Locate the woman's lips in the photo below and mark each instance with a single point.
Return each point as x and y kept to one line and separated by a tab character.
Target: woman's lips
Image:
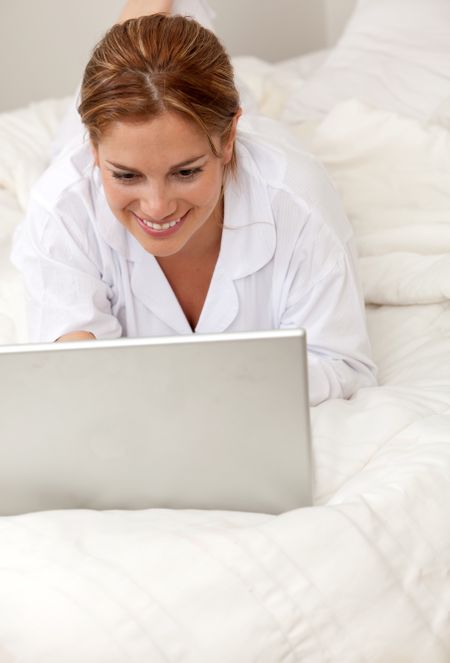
160	229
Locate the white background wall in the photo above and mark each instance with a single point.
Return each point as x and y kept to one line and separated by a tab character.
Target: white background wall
45	44
270	29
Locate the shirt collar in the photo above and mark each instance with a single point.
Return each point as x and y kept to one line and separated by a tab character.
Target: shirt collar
249	237
108	227
248	244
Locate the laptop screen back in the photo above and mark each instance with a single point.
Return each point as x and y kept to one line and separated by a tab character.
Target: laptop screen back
204	422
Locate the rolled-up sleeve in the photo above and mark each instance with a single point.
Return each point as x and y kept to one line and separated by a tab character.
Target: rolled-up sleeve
324	298
65	291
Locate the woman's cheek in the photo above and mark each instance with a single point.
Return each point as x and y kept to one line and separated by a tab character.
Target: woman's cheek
211	188
117	198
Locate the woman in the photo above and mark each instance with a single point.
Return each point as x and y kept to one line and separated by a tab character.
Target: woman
176	216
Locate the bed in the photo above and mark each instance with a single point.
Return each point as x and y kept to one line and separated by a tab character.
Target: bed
364	575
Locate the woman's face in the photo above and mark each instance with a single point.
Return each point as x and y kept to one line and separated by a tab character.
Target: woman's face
163	183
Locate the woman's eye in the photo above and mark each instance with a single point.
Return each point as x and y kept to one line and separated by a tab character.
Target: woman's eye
125	177
188	173
130	178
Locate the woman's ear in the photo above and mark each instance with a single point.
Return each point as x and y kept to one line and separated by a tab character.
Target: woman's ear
229	143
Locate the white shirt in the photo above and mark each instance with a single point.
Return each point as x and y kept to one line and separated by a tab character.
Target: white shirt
286	261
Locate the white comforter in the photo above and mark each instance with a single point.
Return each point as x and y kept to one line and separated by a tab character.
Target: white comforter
364	575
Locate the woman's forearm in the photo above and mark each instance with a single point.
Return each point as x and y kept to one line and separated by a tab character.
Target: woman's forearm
76	336
136	8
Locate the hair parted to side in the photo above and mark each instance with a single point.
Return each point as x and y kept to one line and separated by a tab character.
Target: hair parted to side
158	63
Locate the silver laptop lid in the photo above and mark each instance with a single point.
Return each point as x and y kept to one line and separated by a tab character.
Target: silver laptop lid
207	422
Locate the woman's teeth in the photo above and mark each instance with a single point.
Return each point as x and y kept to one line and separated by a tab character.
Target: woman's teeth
160	226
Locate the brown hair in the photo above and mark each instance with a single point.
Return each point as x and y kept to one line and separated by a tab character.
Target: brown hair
158	63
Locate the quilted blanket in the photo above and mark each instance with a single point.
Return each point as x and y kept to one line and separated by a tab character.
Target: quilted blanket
361	576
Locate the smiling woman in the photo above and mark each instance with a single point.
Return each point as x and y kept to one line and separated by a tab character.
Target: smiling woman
172	190
178	215
163	132
170	199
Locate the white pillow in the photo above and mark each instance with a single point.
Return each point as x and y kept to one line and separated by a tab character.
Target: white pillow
393	173
393	55
25	139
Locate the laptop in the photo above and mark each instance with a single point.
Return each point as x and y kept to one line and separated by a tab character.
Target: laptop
213	421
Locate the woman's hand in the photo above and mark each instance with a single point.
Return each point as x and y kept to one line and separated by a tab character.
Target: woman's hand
76	336
136	8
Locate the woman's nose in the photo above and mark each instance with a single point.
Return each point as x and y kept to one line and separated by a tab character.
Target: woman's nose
157	204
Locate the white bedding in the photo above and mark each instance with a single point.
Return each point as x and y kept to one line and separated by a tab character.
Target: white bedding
363	576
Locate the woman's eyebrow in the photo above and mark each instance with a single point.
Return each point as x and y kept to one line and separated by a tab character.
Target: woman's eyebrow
188	162
120	167
178	165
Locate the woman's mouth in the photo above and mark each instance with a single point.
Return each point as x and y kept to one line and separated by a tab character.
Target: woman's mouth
160	229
